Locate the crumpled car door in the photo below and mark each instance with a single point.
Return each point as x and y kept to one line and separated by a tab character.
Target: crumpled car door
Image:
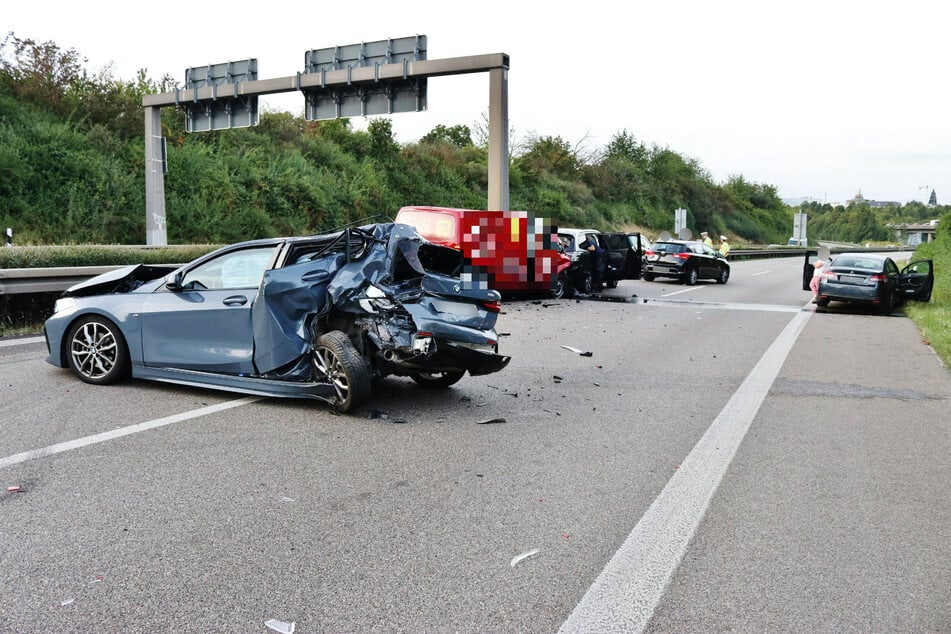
289	297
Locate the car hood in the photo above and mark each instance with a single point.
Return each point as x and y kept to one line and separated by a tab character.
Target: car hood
122	280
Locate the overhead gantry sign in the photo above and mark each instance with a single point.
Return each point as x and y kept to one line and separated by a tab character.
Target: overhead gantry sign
361	79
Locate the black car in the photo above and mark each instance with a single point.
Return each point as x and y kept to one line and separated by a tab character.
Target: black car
874	279
686	260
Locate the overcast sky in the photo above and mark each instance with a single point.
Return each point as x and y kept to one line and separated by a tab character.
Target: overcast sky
820	98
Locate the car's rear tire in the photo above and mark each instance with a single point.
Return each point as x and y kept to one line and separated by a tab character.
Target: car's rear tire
96	352
691	276
822	301
337	362
437	379
724	276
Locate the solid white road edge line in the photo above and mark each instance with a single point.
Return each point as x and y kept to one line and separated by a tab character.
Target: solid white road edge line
624	596
122	431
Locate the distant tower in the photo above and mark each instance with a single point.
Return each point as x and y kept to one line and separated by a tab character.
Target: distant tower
933	201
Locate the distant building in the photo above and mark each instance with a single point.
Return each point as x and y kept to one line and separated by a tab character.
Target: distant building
914	234
859	199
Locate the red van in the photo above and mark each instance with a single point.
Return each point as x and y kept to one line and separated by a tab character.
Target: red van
503	250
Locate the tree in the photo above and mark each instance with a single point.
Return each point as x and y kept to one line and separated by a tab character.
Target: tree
458	136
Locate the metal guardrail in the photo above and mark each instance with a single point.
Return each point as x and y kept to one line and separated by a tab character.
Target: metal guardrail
47	280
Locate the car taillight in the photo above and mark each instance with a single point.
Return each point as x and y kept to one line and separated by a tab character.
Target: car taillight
876	278
492	306
682	256
649	253
828	274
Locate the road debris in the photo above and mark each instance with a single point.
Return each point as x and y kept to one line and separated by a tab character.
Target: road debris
518	558
576	351
490	421
281	626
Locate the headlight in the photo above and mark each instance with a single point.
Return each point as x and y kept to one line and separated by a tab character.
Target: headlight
64	303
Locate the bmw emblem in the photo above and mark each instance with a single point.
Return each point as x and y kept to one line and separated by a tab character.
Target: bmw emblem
457	287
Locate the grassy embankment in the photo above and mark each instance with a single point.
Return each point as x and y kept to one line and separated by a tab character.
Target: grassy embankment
934	318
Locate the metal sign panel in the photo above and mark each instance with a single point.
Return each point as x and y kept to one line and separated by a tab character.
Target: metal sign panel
225	109
375	96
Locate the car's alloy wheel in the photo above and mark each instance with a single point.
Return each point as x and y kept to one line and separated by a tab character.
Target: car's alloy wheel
97	352
691	277
437	379
561	286
337	362
724	276
586	285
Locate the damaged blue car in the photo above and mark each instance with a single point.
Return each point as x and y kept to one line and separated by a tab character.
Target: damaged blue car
318	317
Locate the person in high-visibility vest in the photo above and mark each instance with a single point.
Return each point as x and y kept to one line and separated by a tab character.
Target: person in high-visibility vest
724	246
706	239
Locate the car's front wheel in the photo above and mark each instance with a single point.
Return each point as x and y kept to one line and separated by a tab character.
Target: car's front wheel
97	352
437	379
337	362
648	277
561	286
724	276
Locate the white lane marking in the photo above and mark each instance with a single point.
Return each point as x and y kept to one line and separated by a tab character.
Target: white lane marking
122	431
20	342
723	305
761	273
686	290
626	593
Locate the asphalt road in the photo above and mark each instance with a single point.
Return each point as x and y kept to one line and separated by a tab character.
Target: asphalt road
726	459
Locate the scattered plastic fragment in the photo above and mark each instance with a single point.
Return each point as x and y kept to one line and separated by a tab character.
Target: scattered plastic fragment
379	414
286	499
490	421
13	489
66	601
576	351
519	558
280	626
557	379
565	536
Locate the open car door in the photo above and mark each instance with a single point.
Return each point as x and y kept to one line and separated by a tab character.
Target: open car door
623	258
917	280
808	269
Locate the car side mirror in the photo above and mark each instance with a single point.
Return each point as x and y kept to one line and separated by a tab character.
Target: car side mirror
173	281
